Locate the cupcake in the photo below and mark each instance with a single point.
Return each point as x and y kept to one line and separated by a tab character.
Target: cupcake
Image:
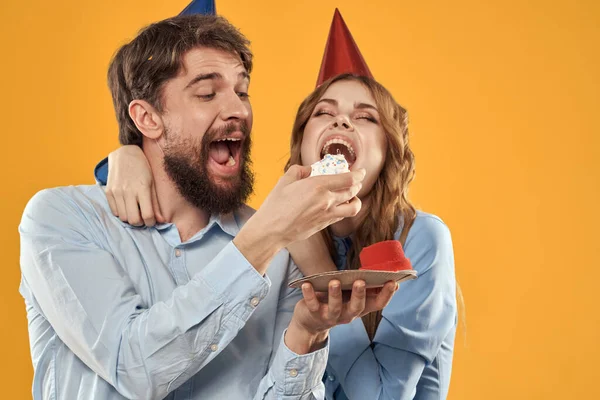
384	256
331	164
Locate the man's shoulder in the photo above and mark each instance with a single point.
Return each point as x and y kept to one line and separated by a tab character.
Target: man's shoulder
67	201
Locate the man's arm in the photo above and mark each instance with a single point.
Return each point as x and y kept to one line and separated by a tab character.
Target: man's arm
292	375
308	330
143	351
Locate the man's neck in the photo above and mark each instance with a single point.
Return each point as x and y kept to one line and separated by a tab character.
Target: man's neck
188	218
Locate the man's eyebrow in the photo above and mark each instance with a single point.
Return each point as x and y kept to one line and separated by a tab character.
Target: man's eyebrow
214	76
203	77
244	75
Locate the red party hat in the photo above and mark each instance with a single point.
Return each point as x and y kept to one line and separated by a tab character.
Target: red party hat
341	53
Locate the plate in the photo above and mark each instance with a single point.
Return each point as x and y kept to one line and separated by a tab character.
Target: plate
373	279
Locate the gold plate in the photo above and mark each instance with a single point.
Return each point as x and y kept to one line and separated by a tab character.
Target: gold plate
373	279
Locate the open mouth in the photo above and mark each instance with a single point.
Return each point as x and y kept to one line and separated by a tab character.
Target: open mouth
226	152
339	146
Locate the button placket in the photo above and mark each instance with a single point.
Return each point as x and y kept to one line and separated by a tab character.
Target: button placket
178	267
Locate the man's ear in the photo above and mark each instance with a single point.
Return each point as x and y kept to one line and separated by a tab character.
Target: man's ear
146	118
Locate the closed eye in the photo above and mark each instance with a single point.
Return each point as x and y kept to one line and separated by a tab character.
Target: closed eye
243	95
209	96
368	118
323	112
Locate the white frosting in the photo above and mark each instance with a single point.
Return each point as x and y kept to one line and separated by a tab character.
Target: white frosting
331	164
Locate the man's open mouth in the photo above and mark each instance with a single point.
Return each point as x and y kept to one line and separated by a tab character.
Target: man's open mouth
339	146
226	151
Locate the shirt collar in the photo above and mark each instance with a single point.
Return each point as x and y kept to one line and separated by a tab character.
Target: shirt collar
227	222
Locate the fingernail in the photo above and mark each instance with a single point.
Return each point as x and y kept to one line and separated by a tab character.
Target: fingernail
360	287
397	287
335	287
305	286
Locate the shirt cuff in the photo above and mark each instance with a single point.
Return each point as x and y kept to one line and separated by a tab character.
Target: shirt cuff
296	374
235	281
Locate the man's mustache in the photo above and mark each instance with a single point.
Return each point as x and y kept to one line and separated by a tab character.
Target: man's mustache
226	130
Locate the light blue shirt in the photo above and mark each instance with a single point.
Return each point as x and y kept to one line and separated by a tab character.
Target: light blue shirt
411	356
119	312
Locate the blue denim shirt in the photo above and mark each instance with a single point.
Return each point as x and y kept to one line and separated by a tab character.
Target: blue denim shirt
119	312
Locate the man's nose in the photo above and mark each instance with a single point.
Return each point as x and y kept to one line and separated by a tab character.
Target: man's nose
234	108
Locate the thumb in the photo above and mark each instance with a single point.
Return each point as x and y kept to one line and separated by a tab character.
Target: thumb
296	173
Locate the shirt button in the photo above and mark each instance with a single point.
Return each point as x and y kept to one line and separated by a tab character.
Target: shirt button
331	377
177	253
294	373
214	347
254	301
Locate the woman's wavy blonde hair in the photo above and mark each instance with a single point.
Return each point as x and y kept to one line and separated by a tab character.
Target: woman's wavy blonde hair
388	199
390	191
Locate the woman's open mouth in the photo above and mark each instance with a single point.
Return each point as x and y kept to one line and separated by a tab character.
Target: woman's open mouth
338	145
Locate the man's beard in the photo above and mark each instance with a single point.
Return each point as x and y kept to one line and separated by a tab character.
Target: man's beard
186	164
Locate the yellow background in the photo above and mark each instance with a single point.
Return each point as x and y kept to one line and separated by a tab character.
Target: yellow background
503	98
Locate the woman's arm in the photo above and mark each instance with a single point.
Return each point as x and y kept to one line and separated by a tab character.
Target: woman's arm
312	255
130	187
418	322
